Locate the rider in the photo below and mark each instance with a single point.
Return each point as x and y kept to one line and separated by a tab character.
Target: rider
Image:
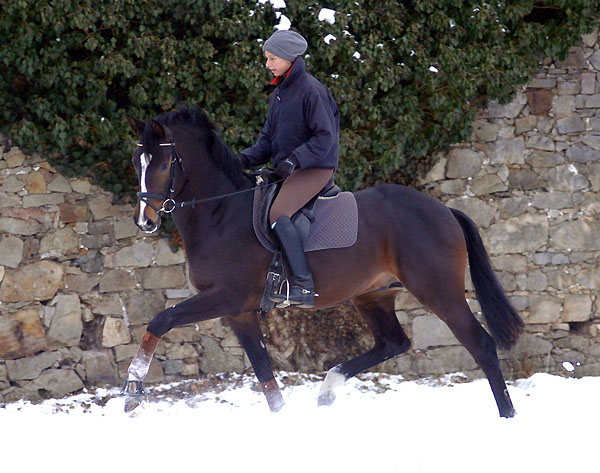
301	136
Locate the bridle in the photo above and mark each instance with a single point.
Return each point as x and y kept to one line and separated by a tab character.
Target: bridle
170	204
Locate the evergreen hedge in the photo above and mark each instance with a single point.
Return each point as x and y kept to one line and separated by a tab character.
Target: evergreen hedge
407	75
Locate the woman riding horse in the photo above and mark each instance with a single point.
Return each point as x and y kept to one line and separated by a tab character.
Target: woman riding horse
301	136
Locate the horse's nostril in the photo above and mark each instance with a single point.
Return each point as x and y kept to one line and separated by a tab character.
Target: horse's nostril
149	226
146	225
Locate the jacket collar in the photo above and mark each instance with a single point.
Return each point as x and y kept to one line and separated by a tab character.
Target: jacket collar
297	68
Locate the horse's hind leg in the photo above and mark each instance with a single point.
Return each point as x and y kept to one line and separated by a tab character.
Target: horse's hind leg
377	310
482	347
448	302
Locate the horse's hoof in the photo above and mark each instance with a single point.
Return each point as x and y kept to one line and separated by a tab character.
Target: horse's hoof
326	399
273	395
131	403
133	388
276	406
134	394
509	413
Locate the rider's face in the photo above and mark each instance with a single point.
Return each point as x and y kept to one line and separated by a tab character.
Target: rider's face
276	65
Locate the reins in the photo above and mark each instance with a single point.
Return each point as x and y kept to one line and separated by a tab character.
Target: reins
170	204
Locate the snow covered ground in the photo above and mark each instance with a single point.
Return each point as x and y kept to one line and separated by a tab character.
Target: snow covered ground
379	423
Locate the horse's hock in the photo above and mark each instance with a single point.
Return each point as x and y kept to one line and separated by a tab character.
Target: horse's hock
79	282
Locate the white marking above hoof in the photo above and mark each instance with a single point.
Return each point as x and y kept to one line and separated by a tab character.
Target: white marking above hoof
333	380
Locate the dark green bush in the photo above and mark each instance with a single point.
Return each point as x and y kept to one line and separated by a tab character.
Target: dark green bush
71	69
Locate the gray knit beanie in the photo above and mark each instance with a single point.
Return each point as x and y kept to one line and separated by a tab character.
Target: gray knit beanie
286	44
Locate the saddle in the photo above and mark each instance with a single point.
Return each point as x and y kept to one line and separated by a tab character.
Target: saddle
329	220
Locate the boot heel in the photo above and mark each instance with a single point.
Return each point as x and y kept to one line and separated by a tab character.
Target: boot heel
308	299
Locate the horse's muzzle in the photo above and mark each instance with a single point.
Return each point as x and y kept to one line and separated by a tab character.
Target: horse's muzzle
148	226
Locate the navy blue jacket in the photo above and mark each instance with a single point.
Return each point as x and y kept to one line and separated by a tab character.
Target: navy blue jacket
303	122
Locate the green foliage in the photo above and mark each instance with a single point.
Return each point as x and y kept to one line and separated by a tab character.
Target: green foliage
71	69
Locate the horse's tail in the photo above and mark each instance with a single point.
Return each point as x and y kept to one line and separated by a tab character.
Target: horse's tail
504	322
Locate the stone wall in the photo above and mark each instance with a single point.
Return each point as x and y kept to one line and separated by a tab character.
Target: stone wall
79	282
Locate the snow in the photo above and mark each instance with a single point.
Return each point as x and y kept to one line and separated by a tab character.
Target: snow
329	38
327	15
275	3
284	22
378	423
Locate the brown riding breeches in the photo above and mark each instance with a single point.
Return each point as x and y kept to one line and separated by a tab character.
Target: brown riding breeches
297	190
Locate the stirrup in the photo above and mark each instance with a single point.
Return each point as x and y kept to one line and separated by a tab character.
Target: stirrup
282	300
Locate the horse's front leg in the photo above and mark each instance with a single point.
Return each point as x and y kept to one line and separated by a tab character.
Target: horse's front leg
204	306
249	333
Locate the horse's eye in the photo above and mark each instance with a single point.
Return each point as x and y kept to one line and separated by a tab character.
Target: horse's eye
163	166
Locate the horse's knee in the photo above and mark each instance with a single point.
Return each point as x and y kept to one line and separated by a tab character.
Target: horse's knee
392	343
161	323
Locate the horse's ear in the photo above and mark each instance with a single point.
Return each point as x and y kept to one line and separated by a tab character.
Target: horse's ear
158	129
136	125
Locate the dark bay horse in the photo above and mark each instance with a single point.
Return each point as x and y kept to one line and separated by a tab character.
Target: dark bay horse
404	237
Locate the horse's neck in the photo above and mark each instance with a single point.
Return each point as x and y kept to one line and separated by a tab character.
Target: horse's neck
204	227
203	179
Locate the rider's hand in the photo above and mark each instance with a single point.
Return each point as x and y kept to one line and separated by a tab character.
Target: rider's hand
286	167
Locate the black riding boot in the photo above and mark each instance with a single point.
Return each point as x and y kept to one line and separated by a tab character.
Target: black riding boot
302	292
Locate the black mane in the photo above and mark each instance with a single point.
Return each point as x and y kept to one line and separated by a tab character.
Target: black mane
196	119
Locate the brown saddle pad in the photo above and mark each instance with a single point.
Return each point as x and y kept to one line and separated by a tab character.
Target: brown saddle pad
334	223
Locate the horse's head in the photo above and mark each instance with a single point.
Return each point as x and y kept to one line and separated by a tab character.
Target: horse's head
153	162
210	164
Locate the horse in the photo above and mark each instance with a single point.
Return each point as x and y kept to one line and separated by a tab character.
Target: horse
406	240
